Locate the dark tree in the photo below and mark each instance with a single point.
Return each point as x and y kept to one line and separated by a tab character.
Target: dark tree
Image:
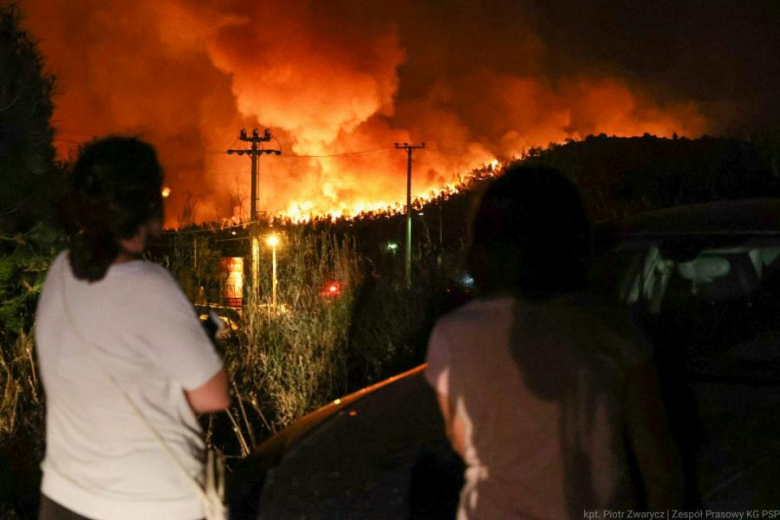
26	152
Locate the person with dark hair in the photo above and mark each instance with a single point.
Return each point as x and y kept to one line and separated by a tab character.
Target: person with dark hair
124	360
548	398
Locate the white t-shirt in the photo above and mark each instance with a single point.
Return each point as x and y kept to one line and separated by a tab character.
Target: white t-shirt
101	460
539	390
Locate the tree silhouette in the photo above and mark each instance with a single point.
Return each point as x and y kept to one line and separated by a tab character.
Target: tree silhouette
26	152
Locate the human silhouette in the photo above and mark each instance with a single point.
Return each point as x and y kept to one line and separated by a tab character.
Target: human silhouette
545	393
124	360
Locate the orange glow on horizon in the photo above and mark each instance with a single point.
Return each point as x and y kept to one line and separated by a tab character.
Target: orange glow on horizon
328	86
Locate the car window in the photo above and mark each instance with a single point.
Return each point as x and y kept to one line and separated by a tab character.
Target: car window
716	308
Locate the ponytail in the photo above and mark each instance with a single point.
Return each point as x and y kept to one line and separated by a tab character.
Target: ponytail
114	189
91	253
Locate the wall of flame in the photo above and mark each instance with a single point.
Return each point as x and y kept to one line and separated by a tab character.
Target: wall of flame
328	78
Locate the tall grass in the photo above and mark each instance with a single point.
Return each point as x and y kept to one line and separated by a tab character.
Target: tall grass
21	429
24	260
287	360
283	361
20	390
313	348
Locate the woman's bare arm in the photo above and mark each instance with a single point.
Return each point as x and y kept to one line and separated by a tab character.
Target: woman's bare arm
212	396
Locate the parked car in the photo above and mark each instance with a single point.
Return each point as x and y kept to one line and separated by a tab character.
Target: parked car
702	282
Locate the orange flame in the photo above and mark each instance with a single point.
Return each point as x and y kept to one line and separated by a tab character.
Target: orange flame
337	87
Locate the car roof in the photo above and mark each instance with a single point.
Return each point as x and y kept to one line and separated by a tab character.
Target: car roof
751	217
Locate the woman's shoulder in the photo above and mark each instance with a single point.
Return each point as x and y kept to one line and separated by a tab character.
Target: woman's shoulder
146	287
58	268
147	277
59	259
481	311
154	271
157	275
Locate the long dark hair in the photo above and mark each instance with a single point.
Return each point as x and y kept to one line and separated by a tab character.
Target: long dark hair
530	235
114	188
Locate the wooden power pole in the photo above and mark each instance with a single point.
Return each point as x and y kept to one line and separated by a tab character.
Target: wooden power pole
255	152
408	258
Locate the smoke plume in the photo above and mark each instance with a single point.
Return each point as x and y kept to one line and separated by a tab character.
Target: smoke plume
338	83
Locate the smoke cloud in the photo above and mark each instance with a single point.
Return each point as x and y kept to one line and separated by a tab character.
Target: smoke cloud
338	83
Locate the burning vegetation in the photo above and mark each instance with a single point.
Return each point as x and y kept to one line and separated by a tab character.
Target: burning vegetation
337	85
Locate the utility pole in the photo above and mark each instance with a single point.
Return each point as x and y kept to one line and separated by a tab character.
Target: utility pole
441	237
254	153
410	148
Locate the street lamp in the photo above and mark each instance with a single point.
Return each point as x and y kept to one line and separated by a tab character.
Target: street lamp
273	241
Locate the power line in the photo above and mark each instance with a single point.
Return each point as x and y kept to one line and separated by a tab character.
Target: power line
361	153
281	148
378	151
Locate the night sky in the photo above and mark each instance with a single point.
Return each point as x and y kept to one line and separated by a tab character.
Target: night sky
475	80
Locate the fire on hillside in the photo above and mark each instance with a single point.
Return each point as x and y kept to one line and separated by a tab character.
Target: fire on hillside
336	87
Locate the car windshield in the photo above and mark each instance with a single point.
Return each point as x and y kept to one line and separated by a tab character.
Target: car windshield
715	304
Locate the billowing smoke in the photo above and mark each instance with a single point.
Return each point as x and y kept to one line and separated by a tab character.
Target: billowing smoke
337	83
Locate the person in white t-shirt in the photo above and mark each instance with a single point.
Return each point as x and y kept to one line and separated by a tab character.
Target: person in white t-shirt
106	313
543	389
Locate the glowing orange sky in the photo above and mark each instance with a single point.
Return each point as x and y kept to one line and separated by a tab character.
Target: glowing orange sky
327	78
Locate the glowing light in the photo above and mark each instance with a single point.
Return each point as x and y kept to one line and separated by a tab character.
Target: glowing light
166	192
392	247
272	240
332	289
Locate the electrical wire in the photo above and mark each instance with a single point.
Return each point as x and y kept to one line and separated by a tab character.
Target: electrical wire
233	142
281	148
364	153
